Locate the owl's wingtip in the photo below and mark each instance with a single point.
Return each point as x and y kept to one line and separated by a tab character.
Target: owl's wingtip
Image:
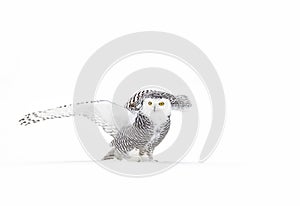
182	102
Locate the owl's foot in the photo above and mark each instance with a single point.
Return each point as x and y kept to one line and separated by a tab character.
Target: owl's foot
134	159
148	158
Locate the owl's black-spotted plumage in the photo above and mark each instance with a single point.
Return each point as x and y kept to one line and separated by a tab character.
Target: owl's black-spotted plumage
139	135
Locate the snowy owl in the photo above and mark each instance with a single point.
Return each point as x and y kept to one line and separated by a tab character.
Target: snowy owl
150	109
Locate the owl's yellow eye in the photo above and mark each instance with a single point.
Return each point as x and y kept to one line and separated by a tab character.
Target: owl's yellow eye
149	103
161	104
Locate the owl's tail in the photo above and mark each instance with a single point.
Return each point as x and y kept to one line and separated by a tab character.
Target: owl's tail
113	153
110	155
55	113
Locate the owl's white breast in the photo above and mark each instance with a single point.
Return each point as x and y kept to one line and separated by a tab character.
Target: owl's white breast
158	118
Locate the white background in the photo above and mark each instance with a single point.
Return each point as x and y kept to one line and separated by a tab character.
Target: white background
254	46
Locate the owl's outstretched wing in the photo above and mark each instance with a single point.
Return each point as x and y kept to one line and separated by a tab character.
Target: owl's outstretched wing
108	115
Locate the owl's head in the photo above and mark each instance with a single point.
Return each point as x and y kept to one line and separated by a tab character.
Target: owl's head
151	106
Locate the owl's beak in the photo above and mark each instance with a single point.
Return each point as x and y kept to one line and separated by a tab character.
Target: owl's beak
154	108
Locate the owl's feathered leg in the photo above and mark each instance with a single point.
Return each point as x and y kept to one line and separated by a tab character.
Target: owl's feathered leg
142	152
148	149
